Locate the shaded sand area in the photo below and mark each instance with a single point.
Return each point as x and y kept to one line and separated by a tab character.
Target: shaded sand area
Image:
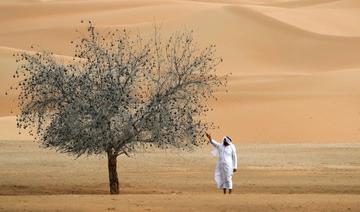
276	177
295	64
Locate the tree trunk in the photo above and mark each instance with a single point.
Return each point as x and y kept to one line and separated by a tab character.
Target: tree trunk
113	177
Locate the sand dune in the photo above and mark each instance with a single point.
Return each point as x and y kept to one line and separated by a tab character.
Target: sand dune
315	19
349	4
299	50
300	3
38	9
7	69
43	30
292	70
9	131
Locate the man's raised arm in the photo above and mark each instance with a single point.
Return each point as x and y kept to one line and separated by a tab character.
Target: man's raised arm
212	141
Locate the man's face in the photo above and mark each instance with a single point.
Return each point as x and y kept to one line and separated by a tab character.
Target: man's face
225	142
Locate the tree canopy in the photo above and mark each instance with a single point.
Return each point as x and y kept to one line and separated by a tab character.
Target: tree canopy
118	92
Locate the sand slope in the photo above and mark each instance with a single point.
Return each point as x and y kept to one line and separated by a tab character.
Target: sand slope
295	63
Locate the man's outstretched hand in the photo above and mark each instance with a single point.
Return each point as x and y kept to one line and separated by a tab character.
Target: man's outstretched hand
208	136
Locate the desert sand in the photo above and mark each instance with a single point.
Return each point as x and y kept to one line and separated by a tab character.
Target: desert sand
292	107
271	177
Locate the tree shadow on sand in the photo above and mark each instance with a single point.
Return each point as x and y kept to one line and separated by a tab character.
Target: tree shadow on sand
100	189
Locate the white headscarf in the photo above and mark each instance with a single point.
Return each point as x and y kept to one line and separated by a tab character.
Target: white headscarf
215	152
228	139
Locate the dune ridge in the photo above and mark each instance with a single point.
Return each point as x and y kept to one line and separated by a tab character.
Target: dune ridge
301	3
292	72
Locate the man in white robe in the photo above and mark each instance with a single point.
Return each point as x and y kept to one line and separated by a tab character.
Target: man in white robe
227	163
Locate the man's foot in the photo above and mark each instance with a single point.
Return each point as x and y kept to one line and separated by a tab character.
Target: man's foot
224	190
230	190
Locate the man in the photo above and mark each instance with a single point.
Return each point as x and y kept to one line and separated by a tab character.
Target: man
227	163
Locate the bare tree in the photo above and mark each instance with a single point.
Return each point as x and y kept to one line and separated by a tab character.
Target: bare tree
117	94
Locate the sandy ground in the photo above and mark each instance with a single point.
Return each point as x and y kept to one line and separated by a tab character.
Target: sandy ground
298	177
